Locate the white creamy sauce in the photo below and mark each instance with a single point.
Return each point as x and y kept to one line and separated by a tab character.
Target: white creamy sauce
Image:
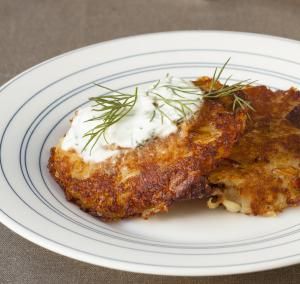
136	127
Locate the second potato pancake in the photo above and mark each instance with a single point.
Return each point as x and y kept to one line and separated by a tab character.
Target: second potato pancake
262	174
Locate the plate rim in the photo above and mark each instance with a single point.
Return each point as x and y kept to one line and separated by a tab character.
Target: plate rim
60	55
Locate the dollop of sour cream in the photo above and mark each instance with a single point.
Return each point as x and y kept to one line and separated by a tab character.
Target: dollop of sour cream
138	126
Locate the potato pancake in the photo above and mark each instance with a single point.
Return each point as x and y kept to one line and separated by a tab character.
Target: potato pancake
262	174
148	179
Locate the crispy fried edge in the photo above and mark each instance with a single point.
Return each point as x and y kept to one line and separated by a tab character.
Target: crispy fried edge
104	194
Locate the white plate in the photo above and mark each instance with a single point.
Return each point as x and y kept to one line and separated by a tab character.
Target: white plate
190	240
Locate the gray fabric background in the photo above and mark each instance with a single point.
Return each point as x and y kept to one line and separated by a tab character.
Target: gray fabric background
34	30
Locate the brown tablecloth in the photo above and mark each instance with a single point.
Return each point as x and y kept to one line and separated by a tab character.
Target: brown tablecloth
34	30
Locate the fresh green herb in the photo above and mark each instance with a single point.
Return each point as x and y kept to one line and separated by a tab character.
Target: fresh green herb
181	104
225	90
116	105
112	108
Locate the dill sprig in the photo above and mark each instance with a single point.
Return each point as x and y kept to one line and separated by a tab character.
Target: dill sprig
115	105
180	103
226	90
181	106
111	108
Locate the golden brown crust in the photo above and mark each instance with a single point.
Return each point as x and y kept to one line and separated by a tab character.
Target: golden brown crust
149	179
262	174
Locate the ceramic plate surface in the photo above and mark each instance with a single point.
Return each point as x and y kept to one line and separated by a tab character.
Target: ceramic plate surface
35	109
